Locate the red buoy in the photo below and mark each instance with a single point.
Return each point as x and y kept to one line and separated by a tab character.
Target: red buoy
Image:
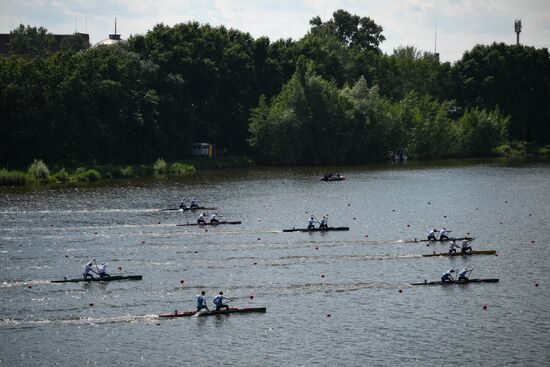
533	241
30	286
366	235
158	222
259	238
251	296
354	218
536	284
66	255
322	275
120	268
408	225
401	291
328	315
444	216
484	307
91	304
182	281
316	248
206	230
255	263
429	203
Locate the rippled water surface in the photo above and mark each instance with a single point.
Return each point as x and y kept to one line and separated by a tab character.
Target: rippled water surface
336	298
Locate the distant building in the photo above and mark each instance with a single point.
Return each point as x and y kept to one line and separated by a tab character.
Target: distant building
112	40
56	46
203	150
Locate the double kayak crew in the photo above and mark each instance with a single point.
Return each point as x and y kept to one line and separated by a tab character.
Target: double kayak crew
311	223
88	271
218	301
431	235
448	276
443	234
102	270
214	219
464	274
324	222
194	204
201	219
465	246
201	302
453	246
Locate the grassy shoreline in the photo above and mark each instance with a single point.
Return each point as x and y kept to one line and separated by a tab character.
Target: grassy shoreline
39	173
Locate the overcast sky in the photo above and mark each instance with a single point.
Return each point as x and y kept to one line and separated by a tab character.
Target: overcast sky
461	24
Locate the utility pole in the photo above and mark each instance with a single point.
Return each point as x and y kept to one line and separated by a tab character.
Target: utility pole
517	27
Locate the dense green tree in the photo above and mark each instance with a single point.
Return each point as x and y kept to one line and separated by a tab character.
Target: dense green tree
31	41
74	43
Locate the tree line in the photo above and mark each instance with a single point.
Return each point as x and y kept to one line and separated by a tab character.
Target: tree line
330	97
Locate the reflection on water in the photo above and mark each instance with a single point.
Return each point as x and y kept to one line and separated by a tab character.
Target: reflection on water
336	298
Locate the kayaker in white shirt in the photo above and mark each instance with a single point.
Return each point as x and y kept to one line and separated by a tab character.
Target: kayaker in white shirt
194	203
311	223
463	275
443	234
214	218
324	223
182	204
431	235
218	301
448	276
465	246
453	246
102	270
88	271
201	219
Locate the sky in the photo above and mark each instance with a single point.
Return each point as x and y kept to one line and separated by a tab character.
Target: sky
458	24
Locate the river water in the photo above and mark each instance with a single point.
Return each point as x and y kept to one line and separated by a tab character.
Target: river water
335	298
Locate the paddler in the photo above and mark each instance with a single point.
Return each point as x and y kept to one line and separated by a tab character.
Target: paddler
443	234
431	235
102	270
448	276
214	219
201	302
463	275
194	204
218	301
201	219
465	246
453	246
324	223
88	271
182	204
311	223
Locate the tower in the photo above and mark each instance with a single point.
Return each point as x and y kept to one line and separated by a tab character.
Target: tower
517	27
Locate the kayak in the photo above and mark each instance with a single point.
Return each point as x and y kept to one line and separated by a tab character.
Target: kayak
104	279
208	224
316	229
333	178
450	239
188	208
213	312
473	252
459	282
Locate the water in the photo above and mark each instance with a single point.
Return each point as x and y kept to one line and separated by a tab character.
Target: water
336	298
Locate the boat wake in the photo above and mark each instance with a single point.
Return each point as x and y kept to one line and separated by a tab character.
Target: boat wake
78	321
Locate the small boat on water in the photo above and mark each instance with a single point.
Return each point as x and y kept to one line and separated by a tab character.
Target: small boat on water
209	224
214	312
467	253
104	279
330	177
189	208
446	240
317	229
458	282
